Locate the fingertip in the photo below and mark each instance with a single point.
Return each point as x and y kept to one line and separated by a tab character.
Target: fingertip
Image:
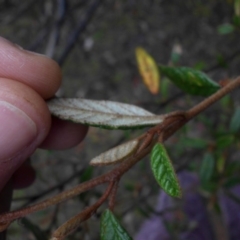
34	70
47	74
18	101
64	135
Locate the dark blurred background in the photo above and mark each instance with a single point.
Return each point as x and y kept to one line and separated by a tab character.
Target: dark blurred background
94	42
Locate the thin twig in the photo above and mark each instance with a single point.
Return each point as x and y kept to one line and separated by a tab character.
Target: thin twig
75	221
172	122
112	196
8	217
80	28
49	190
212	99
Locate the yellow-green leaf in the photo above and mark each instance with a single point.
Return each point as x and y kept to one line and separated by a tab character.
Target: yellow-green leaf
164	172
148	70
237	7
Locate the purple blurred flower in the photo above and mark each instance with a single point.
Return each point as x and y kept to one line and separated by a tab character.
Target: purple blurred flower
190	219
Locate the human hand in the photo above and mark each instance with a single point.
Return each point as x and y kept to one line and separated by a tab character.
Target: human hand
26	81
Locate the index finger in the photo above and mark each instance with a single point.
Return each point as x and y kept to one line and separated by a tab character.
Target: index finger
37	71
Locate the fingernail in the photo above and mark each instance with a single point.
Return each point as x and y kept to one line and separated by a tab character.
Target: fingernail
30	52
17	130
3	40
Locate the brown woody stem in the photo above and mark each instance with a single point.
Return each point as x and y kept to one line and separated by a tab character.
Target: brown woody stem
107	177
75	221
112	196
212	99
170	125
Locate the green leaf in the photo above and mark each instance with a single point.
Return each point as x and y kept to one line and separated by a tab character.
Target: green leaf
164	172
190	81
207	168
224	141
111	229
235	121
225	28
164	91
194	142
237	7
236	21
232	181
220	163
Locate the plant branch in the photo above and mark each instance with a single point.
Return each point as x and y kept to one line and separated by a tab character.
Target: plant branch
75	221
83	187
172	122
112	196
80	28
212	99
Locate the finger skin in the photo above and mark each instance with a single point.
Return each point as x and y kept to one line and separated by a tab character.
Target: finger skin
30	102
39	72
64	135
43	75
27	80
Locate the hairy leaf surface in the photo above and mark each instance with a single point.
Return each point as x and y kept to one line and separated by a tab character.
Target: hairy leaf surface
115	154
190	81
111	229
148	70
164	172
106	114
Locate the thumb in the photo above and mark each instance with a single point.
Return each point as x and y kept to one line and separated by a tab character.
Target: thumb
24	123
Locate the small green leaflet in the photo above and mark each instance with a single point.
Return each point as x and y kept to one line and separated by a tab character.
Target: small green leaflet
111	229
164	172
190	81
